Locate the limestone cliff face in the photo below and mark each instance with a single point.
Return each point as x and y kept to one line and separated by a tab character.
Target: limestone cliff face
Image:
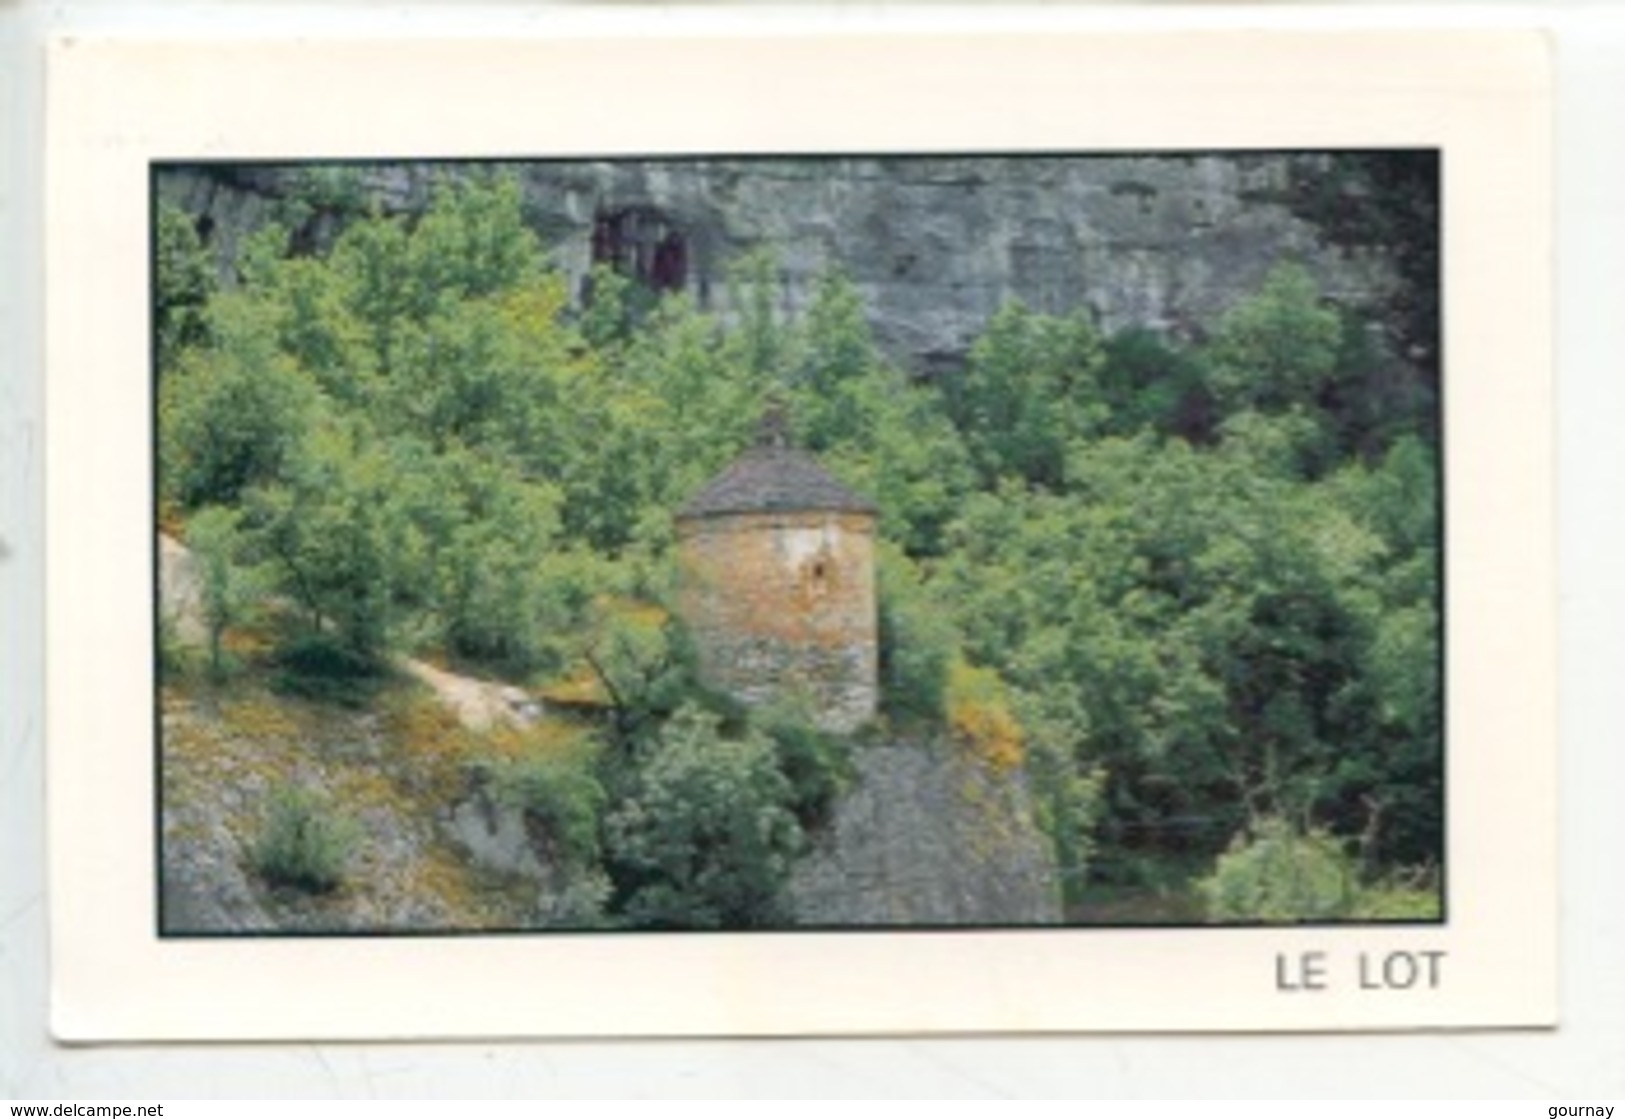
935	244
929	835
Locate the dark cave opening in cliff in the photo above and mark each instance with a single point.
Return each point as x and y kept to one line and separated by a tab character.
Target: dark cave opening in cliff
642	244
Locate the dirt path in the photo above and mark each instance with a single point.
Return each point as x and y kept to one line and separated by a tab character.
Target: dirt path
478	704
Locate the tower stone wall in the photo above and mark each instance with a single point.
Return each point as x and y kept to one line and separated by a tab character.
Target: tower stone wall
783	603
778	582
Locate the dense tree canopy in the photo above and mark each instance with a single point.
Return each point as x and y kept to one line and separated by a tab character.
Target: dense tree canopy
1200	582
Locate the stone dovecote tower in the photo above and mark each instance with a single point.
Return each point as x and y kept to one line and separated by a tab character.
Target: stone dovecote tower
778	582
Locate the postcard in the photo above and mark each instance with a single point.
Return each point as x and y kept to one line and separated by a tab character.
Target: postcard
637	537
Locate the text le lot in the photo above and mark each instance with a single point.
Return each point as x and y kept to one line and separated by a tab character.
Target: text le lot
1371	971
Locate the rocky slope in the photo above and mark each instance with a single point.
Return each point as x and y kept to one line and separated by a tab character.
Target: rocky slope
224	756
927	835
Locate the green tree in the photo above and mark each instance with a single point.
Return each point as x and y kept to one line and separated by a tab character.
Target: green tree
1029	390
472	242
331	191
475	371
1276	874
233	416
651	420
1068	794
1393	782
834	353
372	265
607	318
337	533
707	838
562	797
1149	382
642	662
1201	621
884	435
816	763
316	326
184	281
1277	348
491	587
228	591
903	452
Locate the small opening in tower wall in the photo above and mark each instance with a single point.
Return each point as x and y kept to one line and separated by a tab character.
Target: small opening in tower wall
642	243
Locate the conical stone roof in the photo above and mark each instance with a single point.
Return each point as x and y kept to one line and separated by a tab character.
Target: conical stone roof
773	477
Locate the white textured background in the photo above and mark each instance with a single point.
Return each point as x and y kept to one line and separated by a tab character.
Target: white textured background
1584	1058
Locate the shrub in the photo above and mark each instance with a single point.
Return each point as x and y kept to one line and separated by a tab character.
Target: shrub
319	666
817	764
1401	897
636	660
707	838
578	900
1275	873
302	845
560	794
980	715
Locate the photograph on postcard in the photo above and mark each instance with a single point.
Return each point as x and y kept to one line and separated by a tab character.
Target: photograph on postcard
823	543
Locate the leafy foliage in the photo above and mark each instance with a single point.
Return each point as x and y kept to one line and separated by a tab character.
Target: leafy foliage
340	532
1412	897
303	846
228	591
1274	873
320	667
1182	586
184	282
1276	349
816	763
560	792
234	417
979	715
1069	796
917	642
1031	389
707	837
639	659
